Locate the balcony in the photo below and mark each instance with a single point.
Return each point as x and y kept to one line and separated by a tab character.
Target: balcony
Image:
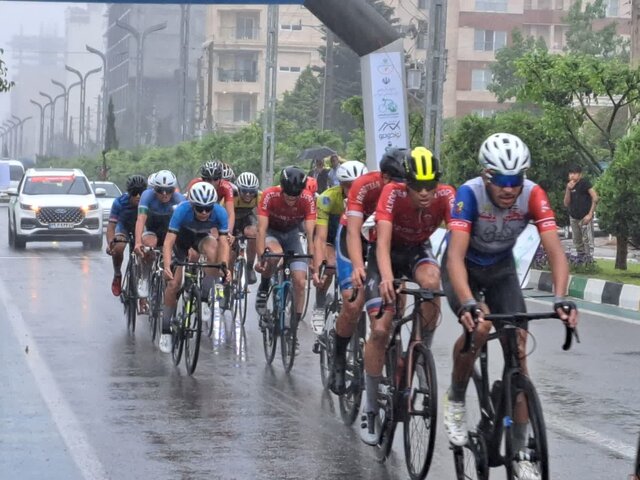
235	75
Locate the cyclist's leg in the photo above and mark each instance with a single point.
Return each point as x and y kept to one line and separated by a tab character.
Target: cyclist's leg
426	273
150	240
349	315
117	257
251	231
208	246
292	242
272	242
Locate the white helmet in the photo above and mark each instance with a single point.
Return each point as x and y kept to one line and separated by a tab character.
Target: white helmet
505	153
227	172
203	194
165	178
248	181
151	181
349	171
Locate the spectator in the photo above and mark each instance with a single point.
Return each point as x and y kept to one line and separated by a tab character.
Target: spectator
333	173
581	199
320	173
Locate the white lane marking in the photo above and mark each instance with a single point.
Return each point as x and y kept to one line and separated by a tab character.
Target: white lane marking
68	425
583	434
608	316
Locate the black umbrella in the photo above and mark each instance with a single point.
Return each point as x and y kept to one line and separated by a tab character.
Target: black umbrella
316	153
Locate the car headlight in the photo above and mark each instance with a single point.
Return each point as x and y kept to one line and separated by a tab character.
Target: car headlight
26	206
86	208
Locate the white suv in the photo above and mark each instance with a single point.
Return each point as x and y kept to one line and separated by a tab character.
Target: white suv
54	204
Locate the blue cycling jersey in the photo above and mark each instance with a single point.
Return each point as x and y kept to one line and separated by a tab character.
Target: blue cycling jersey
158	213
124	214
191	230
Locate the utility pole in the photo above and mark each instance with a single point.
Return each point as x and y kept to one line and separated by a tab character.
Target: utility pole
209	121
185	13
635	33
269	114
41	136
326	107
435	75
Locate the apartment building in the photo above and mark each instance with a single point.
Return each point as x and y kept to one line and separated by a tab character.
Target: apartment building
476	29
231	90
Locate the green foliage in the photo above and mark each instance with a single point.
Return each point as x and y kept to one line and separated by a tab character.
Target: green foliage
110	137
505	83
301	106
5	85
583	39
619	190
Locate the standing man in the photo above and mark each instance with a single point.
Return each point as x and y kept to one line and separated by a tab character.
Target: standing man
333	172
320	173
581	199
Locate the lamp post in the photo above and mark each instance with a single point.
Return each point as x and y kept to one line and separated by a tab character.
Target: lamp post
52	112
7	142
139	37
21	125
66	92
18	122
3	132
12	134
102	118
41	137
83	88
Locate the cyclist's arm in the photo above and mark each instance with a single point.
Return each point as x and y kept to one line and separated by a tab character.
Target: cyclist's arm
263	225
320	241
456	252
309	226
223	245
140	223
231	214
354	241
384	230
167	249
111	232
557	260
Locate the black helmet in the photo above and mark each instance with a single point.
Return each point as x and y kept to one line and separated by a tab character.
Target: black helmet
211	171
292	181
136	184
392	163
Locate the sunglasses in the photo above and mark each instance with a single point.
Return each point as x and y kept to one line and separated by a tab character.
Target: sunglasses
419	185
504	181
202	209
164	190
247	191
136	193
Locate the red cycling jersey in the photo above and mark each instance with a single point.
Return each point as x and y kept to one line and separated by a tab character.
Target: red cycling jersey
363	196
283	217
224	190
413	225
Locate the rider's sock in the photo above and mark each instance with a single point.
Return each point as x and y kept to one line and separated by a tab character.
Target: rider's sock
264	283
519	436
457	391
371	383
167	314
341	345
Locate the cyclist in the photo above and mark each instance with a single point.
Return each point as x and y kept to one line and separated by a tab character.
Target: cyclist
154	212
194	229
212	172
280	214
330	207
489	213
406	216
122	222
245	203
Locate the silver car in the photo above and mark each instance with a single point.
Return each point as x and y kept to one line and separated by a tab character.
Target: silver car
106	200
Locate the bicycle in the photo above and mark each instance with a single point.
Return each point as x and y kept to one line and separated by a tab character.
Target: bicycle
186	327
157	286
408	391
239	286
278	322
325	346
129	291
493	432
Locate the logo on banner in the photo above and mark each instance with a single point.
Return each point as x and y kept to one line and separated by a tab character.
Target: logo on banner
386	67
387	106
389	130
386	80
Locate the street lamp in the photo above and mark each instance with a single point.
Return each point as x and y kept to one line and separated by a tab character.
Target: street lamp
104	90
83	88
52	112
3	132
19	136
41	137
139	37
12	135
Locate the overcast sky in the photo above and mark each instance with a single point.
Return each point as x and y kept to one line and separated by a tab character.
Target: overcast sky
31	17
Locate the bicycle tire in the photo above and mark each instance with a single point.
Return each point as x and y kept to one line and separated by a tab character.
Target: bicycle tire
387	407
422	413
536	446
327	346
354	375
270	331
155	305
177	333
132	299
239	294
193	331
211	300
307	295
288	336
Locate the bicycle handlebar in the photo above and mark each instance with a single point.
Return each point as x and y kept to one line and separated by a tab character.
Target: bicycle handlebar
422	295
222	265
323	267
288	256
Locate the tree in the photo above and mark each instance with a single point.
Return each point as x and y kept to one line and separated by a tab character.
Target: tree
301	106
619	192
5	85
110	138
582	38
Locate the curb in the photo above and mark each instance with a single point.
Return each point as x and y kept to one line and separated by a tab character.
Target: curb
593	290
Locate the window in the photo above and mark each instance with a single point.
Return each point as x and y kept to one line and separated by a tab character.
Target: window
613	8
484	112
489	40
491	5
480	78
242	109
290	69
246	27
291	26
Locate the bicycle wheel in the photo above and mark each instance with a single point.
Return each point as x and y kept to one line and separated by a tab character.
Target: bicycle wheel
193	330
307	295
535	448
288	336
472	461
386	402
270	330
422	413
132	298
240	292
177	328
155	304
327	345
354	375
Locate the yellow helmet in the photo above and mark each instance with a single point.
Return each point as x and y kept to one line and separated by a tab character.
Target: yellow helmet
422	165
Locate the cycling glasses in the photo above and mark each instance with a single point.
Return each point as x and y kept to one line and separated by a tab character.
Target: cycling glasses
203	209
419	185
136	192
504	181
248	191
164	190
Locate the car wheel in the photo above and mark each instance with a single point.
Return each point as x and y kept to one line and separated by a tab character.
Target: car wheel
10	232
19	242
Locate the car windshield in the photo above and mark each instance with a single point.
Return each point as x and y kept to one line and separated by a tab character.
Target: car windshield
15	172
56	185
112	190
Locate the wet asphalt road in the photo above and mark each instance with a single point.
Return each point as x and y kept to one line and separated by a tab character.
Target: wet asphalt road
81	398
